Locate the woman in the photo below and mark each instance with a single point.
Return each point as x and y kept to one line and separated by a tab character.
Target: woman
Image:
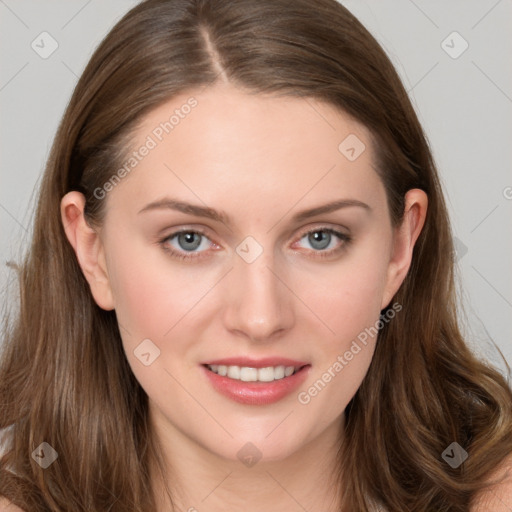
240	287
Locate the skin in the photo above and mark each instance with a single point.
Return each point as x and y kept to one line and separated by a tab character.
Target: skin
260	160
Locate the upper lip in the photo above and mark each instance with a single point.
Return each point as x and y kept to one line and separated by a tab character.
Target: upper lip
257	363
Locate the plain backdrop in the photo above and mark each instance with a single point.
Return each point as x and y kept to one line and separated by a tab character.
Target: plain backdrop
454	59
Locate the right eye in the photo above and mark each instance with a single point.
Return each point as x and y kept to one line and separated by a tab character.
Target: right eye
185	241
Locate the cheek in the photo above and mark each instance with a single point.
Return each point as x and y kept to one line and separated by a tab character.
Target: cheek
150	299
350	306
156	300
348	295
149	294
347	298
147	301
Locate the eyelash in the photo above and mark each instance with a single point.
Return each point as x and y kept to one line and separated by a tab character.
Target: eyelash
184	256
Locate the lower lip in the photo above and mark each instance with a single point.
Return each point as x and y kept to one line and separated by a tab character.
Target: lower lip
257	393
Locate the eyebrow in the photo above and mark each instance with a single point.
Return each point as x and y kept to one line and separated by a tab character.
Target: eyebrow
220	216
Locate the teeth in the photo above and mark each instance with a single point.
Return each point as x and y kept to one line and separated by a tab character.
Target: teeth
246	374
234	372
288	370
266	374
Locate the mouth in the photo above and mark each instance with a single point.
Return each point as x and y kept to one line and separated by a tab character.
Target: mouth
260	382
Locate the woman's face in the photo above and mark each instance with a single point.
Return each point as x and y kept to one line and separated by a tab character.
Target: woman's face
245	287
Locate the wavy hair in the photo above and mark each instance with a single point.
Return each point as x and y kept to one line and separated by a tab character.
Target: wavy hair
64	378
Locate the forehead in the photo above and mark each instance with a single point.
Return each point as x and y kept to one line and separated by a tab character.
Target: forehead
225	145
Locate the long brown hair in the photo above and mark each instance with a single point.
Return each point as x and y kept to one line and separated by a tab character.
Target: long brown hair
64	378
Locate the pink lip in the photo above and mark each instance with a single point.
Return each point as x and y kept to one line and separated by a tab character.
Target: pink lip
257	363
257	393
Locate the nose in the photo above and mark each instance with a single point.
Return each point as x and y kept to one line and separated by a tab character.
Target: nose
260	305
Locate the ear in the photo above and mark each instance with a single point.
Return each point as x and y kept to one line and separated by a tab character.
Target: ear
405	236
88	248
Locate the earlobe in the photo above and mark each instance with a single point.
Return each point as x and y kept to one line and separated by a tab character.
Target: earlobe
405	236
88	248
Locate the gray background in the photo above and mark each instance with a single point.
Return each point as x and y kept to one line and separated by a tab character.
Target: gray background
464	101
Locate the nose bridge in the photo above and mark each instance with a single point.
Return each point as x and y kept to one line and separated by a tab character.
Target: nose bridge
260	304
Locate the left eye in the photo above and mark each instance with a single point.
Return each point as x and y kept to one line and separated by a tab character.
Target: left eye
323	239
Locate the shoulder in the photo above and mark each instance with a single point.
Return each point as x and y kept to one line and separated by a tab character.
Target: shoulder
7	506
498	497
